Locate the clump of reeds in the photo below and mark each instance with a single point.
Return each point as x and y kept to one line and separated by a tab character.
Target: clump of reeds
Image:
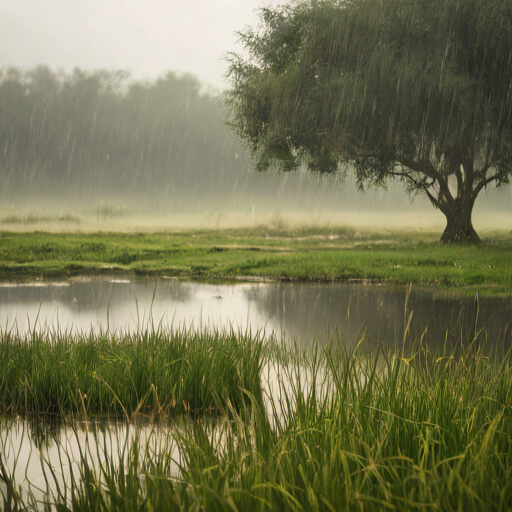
340	431
149	372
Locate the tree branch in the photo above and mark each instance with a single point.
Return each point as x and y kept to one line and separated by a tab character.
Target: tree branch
460	181
422	185
435	202
483	183
408	176
429	170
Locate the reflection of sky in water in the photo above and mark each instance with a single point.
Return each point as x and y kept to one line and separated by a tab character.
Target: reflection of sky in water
38	455
124	306
38	459
301	311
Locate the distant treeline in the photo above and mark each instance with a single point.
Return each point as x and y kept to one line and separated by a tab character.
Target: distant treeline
85	131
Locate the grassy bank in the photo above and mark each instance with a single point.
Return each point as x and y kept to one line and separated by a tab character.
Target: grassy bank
268	252
148	373
361	432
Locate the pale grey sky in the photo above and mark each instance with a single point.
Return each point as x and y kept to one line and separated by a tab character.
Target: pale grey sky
146	37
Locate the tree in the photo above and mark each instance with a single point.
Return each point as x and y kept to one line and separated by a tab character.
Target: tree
416	90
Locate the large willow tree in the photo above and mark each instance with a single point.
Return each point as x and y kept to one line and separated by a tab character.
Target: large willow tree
416	90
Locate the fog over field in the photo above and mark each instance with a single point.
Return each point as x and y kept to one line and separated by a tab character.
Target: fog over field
112	116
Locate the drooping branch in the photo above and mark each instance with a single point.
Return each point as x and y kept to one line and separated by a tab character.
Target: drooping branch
423	185
436	203
482	184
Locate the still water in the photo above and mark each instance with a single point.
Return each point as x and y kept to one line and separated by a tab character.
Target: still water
301	312
41	458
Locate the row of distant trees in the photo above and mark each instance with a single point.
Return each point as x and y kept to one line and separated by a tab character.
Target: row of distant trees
97	130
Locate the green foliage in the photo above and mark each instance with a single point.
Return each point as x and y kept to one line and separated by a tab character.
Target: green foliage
341	431
150	372
418	91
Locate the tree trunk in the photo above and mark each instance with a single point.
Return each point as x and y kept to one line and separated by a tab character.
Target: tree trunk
459	228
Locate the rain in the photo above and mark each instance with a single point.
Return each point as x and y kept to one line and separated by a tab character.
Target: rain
115	122
115	117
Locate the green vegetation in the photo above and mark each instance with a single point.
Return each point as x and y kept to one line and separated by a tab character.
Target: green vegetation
416	91
267	252
150	372
340	431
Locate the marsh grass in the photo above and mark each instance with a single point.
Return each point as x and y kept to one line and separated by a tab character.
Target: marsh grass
337	430
302	253
153	371
36	217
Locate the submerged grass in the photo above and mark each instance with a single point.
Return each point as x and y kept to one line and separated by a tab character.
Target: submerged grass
146	373
302	253
335	431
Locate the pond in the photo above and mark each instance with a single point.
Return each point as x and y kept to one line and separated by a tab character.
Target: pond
296	311
44	454
36	453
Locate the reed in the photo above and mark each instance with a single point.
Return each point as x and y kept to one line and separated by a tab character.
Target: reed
153	371
335	430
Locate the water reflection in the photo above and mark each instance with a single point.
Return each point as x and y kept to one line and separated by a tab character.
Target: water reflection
300	311
43	457
383	314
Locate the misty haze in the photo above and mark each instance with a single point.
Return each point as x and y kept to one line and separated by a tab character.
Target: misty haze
100	146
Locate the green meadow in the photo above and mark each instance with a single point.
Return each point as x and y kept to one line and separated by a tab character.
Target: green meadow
266	252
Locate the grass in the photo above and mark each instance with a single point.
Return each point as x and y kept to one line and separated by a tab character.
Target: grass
365	431
147	373
332	430
266	252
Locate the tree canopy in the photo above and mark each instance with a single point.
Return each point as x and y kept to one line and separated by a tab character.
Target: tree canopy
416	90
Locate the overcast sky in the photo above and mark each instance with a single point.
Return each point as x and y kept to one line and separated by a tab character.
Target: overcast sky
146	37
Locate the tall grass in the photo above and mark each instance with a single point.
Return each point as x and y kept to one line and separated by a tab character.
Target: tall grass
340	431
149	372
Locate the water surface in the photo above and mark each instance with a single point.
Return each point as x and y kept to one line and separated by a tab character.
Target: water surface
303	312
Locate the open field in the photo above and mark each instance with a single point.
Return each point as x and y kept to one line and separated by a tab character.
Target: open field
259	425
275	251
335	431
